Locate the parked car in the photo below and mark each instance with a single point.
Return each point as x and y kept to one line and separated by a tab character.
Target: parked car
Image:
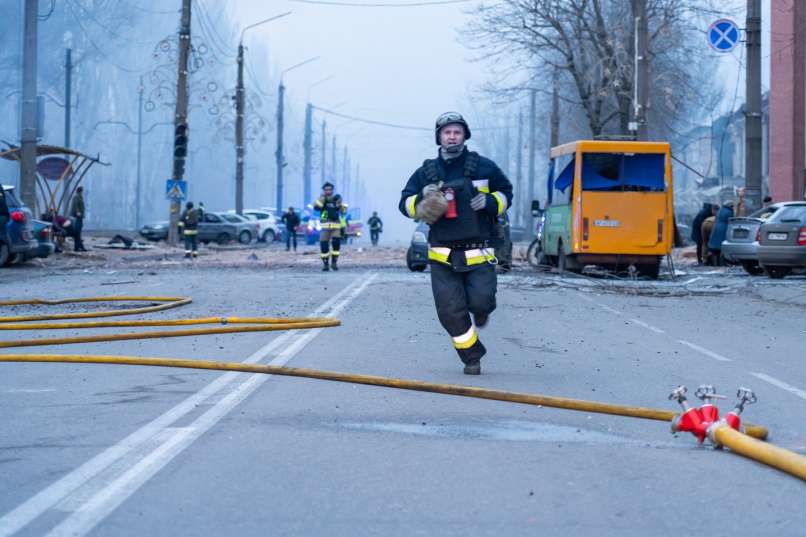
782	241
16	228
417	254
158	231
43	231
740	244
224	227
269	228
213	227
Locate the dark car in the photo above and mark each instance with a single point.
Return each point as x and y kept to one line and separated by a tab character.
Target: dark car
782	241
43	231
213	227
158	231
417	254
225	227
16	228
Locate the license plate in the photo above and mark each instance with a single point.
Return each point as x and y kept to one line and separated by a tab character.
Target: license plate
606	223
777	236
740	233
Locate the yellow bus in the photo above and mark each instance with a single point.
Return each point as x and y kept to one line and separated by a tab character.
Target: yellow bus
609	204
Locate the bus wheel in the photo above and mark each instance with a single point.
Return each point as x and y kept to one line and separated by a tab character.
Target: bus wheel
650	271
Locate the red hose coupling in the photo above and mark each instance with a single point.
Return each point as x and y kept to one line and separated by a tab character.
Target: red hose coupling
690	421
733	420
709	413
451	197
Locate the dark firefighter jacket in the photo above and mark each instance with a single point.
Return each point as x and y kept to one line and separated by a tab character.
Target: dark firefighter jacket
472	231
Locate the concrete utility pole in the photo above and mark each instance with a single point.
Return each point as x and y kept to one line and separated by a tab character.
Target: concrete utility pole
240	152
752	131
28	131
137	190
344	171
180	116
641	67
532	143
240	110
68	94
519	171
280	158
324	151
307	146
333	160
555	112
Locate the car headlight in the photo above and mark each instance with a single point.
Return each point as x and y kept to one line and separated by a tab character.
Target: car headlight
418	236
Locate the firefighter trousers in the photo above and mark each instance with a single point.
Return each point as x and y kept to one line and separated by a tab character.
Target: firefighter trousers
456	296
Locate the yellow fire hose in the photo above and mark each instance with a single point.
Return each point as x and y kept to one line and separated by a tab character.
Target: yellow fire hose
744	444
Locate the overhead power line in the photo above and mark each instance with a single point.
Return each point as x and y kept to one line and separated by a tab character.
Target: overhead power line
372	121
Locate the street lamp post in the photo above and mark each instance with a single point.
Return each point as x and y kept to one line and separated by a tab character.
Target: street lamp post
240	149
307	167
280	157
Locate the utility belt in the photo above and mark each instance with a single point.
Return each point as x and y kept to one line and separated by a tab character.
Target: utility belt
465	244
462	259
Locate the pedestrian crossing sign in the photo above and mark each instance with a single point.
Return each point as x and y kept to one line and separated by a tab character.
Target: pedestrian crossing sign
176	190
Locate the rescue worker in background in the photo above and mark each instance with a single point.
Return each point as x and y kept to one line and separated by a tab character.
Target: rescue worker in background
460	195
189	225
291	221
375	227
331	208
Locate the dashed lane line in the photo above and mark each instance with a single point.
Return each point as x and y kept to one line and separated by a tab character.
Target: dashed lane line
780	384
105	491
703	350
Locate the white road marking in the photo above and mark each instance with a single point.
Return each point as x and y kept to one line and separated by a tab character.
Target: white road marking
604	307
780	384
113	490
30	390
703	350
648	326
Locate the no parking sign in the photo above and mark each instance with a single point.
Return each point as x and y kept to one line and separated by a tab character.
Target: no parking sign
723	35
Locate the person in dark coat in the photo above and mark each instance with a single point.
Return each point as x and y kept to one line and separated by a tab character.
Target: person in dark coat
77	215
696	228
720	230
291	221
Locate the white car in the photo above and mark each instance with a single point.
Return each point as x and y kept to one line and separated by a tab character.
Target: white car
269	229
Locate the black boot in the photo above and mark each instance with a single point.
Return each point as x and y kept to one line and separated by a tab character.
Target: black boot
473	367
333	263
326	263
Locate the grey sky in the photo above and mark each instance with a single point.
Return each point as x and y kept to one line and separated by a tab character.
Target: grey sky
400	65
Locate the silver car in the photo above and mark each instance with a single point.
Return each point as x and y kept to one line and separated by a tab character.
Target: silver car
741	242
782	241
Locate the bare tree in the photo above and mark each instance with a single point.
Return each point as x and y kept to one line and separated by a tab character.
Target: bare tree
591	43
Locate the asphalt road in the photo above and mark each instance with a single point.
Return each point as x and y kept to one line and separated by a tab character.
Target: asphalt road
117	451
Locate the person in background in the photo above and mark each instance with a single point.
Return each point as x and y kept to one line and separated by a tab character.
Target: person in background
696	229
720	231
706	230
291	221
77	215
375	227
767	201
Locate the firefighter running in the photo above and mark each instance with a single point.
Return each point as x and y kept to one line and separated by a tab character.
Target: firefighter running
189	222
460	195
331	209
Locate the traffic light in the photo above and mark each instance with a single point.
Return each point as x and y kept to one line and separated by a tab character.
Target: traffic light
180	149
181	141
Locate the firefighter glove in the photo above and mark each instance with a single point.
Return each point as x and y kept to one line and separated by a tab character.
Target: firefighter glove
479	201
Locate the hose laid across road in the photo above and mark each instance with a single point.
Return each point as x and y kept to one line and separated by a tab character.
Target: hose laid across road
744	444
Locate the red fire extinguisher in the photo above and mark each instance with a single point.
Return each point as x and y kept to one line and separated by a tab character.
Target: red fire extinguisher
449	195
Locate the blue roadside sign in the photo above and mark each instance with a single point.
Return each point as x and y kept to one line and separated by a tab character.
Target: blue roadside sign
176	190
723	35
